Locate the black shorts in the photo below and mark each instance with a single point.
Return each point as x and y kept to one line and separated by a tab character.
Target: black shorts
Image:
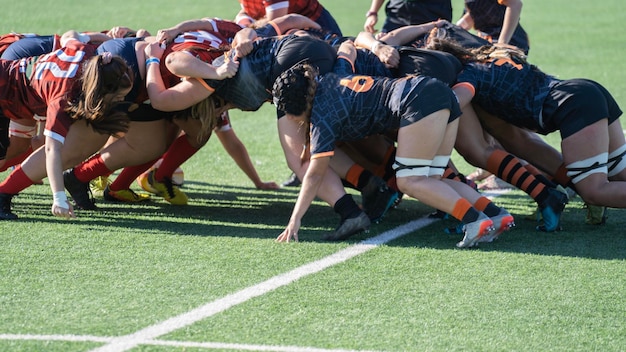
432	63
143	112
575	104
316	51
429	96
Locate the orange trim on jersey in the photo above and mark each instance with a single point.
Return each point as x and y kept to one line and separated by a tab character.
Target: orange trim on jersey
204	84
347	59
323	155
276	28
467	86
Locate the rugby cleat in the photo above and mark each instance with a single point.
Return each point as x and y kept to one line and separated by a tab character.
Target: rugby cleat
98	184
551	210
165	189
80	191
349	227
474	231
125	195
5	207
502	222
377	198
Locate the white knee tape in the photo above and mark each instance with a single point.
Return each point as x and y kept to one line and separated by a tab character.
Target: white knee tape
21	131
439	165
581	169
617	161
405	167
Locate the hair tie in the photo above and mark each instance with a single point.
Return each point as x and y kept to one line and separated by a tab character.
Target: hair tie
106	57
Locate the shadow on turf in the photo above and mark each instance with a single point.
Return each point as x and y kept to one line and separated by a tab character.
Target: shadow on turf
218	210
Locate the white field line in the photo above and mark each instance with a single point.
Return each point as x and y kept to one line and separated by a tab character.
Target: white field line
149	335
124	343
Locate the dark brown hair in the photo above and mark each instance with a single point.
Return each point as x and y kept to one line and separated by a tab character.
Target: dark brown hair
99	83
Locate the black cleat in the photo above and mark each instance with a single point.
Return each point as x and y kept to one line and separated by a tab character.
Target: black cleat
551	210
5	207
349	227
80	191
377	198
292	181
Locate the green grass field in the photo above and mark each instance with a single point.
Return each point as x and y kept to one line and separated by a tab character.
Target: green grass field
209	276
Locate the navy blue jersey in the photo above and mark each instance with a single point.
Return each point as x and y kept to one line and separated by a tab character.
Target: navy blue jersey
512	91
367	63
252	84
488	17
351	107
125	48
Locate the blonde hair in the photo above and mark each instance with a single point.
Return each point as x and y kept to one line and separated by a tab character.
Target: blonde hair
207	112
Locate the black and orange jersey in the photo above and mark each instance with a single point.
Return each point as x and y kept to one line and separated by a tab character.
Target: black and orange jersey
252	85
488	17
510	90
351	107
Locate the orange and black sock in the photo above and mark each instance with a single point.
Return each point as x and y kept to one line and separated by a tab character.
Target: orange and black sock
562	178
487	207
464	211
354	175
510	169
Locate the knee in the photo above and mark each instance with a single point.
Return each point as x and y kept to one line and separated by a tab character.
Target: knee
408	185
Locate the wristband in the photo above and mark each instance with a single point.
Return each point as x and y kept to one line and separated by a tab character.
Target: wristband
374	46
60	199
153	60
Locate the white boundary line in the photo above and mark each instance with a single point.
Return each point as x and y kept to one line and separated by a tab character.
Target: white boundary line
148	334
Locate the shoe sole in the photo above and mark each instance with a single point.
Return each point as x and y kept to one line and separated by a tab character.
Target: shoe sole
506	223
485	229
142	180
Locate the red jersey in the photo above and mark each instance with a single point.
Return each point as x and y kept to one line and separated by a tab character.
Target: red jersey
205	45
41	85
257	8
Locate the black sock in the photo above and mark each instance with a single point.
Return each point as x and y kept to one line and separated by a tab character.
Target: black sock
471	216
491	210
346	207
364	178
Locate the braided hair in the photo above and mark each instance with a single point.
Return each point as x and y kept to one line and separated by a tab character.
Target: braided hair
294	91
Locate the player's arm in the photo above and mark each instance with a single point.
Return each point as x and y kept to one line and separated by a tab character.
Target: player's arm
179	97
275	9
511	19
464	93
311	182
54	170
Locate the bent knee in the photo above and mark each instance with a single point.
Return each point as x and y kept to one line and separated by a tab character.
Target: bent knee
406	184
